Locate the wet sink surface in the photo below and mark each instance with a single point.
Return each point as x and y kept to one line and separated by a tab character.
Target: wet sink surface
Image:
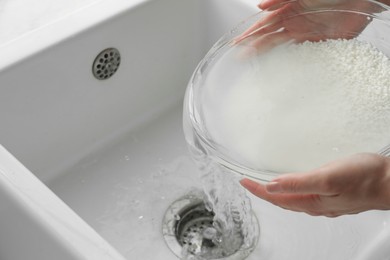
124	190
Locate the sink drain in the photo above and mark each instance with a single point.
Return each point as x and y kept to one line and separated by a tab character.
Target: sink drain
188	231
195	228
106	63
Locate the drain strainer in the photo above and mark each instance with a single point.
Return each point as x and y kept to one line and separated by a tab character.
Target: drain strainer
106	63
194	228
188	231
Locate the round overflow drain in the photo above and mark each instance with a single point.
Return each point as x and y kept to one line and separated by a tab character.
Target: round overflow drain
106	63
188	229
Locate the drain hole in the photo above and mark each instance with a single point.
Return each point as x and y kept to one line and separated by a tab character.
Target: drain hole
188	228
106	63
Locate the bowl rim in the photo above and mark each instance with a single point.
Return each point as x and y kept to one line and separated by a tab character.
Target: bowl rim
195	119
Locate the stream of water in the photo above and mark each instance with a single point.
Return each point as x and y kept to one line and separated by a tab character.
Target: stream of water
235	225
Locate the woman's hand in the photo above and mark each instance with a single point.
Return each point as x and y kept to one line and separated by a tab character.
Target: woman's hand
346	186
285	22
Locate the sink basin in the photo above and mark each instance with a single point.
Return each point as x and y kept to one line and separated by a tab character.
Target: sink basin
98	162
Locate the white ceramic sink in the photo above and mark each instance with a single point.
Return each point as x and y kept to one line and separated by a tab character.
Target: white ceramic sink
112	152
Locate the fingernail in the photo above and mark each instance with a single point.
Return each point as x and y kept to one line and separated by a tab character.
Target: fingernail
273	187
264	3
250	185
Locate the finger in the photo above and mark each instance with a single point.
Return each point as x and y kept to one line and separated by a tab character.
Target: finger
271	21
308	203
312	204
252	186
289	201
265	4
314	182
313	4
270	41
263	26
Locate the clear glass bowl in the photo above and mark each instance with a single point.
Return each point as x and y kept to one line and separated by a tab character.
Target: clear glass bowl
256	106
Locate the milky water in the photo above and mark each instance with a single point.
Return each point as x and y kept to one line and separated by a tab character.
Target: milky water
299	106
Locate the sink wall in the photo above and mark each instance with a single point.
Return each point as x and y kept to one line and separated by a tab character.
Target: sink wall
56	116
36	224
53	111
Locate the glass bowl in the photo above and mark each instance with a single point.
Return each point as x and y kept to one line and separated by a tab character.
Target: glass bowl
293	87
